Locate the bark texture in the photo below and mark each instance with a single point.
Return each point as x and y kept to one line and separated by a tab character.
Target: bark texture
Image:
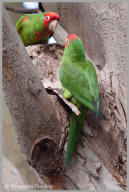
103	29
34	117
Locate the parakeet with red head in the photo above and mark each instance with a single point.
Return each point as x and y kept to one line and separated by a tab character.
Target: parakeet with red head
80	84
37	28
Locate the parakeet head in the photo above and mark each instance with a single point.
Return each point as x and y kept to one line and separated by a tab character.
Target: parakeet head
51	20
70	38
74	48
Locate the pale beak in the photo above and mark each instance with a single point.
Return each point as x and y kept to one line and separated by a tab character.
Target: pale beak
52	26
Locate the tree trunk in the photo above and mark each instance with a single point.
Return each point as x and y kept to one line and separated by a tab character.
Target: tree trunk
37	126
102	28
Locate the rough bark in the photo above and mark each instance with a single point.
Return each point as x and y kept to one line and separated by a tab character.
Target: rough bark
103	30
102	163
34	117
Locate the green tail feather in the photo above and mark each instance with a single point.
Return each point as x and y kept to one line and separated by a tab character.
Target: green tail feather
75	131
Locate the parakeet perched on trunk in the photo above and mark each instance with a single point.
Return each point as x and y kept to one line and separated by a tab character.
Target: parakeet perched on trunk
37	28
79	82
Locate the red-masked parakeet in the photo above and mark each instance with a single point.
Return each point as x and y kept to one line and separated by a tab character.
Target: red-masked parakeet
79	82
37	28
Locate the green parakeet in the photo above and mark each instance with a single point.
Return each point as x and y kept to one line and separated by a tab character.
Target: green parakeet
35	28
79	81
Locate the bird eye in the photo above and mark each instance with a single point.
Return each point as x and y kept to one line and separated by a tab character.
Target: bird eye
67	41
47	17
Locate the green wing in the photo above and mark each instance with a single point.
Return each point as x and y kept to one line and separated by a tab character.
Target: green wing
19	22
31	29
26	29
81	80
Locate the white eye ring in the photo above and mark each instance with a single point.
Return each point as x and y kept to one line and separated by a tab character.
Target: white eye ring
47	17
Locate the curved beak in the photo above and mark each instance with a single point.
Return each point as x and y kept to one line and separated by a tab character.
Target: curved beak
52	25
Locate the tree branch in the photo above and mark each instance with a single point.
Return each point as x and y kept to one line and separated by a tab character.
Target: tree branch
37	127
